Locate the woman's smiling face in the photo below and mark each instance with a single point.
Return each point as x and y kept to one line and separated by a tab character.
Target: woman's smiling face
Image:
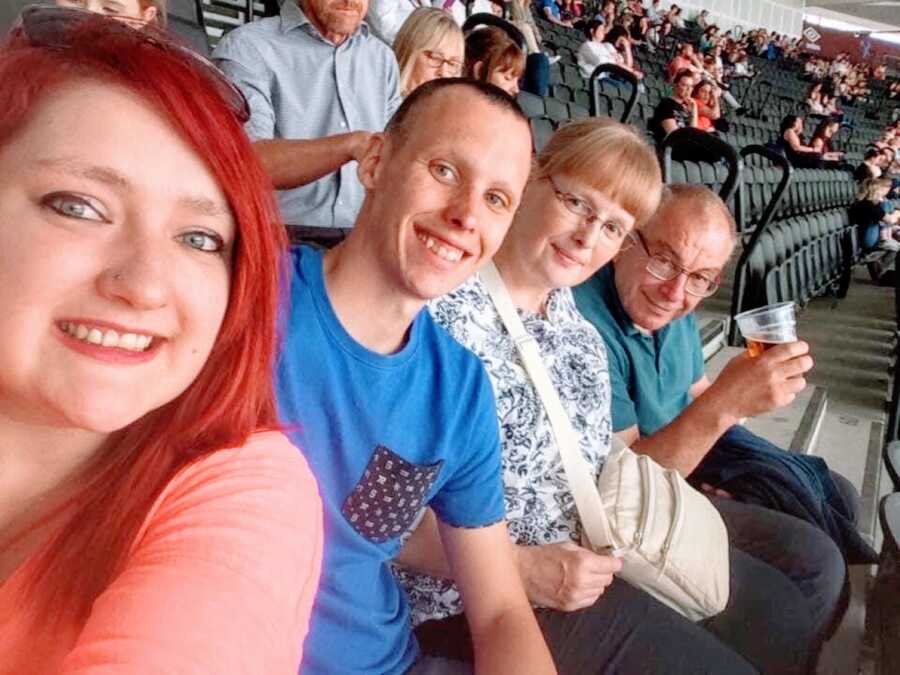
115	250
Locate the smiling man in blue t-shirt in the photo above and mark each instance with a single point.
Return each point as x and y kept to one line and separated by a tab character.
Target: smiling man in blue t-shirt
390	411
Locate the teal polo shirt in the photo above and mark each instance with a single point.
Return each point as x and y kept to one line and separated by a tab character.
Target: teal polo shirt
650	374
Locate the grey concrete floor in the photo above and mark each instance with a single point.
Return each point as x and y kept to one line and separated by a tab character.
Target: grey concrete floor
851	341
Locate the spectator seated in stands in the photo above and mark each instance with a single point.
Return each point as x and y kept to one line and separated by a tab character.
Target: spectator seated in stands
790	142
872	214
675	16
829	105
702	19
709	39
709	112
386	17
553	13
430	45
361	358
871	166
686	59
654	12
814	100
619	38
643	34
677	111
141	469
593	183
664	406
493	57
596	51
521	17
318	82
822	143
130	11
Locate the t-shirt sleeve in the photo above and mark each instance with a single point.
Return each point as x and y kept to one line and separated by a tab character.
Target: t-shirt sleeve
242	63
221	578
666	110
473	495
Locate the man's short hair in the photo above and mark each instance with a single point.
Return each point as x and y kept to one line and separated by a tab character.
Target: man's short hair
399	125
872	153
682	74
703	202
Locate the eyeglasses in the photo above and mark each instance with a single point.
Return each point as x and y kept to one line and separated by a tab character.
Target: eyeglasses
665	269
54	27
578	206
436	60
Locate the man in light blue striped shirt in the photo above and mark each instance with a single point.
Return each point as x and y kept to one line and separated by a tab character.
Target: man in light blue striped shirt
318	83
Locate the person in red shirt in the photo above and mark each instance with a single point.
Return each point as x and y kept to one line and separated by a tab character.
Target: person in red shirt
153	517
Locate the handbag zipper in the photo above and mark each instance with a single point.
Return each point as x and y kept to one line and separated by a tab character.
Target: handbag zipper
648	499
677	518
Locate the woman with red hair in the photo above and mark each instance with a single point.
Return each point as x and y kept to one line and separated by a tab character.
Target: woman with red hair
152	519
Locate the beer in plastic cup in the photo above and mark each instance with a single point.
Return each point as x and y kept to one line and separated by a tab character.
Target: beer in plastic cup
768	326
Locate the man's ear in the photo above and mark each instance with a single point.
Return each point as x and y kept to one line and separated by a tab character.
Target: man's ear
150	14
477	69
371	165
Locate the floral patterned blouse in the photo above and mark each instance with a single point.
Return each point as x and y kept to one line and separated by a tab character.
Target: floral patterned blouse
540	508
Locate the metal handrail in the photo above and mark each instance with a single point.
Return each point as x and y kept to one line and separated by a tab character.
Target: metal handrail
486	19
740	272
712	146
620	73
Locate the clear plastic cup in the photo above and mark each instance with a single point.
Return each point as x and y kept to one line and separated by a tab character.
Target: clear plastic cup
768	326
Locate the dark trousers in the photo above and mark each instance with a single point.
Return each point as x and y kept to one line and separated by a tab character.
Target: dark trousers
802	552
765	628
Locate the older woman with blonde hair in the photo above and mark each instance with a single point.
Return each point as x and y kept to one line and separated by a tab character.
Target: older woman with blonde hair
594	184
429	45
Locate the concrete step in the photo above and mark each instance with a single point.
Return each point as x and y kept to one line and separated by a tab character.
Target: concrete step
712	335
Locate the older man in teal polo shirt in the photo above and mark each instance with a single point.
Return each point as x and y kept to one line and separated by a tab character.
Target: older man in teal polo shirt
664	406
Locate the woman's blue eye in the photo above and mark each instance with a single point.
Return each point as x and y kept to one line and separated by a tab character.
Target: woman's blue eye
203	241
73	206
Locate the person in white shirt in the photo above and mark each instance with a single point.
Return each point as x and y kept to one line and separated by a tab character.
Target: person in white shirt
595	51
385	17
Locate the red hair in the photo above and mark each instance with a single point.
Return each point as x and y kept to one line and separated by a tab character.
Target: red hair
233	395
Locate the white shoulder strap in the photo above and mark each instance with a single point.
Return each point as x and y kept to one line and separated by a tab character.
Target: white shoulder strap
578	471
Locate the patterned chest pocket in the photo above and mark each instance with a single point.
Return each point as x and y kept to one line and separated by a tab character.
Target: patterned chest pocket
389	496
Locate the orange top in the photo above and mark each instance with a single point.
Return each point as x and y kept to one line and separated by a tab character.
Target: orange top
220	578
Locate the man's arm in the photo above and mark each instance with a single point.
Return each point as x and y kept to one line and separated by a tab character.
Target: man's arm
289	162
746	387
295	162
504	630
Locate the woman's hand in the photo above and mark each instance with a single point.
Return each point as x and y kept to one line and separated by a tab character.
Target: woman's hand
565	576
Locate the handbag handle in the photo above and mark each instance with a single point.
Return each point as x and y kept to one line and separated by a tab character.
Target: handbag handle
578	471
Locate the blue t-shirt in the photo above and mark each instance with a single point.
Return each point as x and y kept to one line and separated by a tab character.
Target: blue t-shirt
650	374
554	8
384	435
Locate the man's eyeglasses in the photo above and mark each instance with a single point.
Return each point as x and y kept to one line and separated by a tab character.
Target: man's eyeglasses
53	28
436	60
665	269
578	206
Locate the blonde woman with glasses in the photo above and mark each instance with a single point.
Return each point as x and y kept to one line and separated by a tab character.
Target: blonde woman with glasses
428	46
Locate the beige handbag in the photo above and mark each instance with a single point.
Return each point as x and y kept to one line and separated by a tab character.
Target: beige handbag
671	539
